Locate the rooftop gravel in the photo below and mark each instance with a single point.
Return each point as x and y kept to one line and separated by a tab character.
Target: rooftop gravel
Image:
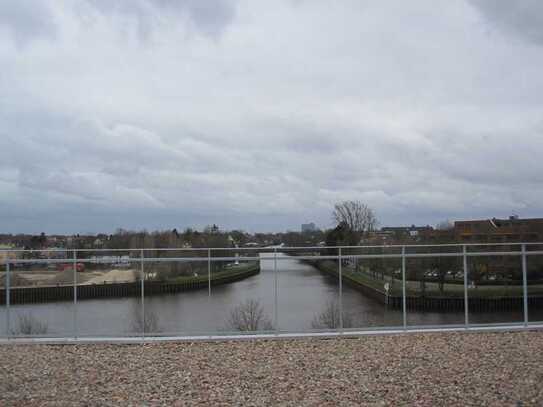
417	369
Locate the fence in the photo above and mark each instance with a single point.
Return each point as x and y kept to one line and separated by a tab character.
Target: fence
395	287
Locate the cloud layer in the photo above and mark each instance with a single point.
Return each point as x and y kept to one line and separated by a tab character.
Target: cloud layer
155	113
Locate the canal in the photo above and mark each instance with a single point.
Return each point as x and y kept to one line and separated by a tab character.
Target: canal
304	293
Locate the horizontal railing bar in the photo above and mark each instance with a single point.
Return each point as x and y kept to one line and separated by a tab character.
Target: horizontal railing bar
283	335
264	258
271	248
167	259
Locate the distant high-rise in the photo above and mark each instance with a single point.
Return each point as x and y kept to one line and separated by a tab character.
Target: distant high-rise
308	227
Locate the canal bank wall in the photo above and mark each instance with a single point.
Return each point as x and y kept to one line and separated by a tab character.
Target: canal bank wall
441	304
42	294
331	269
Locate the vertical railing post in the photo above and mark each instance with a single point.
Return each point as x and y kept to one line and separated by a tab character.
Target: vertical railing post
525	284
404	294
275	292
209	272
8	300
142	272
466	299
340	292
75	326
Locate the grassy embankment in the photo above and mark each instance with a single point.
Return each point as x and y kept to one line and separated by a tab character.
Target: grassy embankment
231	273
413	288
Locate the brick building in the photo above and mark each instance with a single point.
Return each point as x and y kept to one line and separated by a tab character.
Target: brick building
495	230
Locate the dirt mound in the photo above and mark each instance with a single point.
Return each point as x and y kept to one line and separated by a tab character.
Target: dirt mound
63	278
15	280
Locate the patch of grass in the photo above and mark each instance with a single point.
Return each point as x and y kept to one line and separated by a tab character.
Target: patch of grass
233	271
432	289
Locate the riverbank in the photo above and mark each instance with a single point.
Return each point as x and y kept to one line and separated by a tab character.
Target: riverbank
416	369
482	299
38	294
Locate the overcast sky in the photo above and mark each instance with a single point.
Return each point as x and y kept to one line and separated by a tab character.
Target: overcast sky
261	114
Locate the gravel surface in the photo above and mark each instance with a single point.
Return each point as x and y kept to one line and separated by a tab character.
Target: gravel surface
416	369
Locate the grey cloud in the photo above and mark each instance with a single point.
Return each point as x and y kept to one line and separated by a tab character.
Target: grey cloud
421	127
210	17
122	165
27	20
125	166
523	18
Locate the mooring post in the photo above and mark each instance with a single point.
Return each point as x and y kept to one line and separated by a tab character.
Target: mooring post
525	284
404	296
466	300
340	292
75	294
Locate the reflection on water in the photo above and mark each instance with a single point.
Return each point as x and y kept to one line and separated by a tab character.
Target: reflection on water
303	293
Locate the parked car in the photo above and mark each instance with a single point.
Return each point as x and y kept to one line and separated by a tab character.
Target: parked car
80	267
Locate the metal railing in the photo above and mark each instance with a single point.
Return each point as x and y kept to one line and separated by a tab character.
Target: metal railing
339	256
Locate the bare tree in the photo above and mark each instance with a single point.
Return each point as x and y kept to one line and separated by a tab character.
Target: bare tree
27	324
249	316
329	317
357	216
445	225
150	323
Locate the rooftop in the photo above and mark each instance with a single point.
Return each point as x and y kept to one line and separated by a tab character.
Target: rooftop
424	369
